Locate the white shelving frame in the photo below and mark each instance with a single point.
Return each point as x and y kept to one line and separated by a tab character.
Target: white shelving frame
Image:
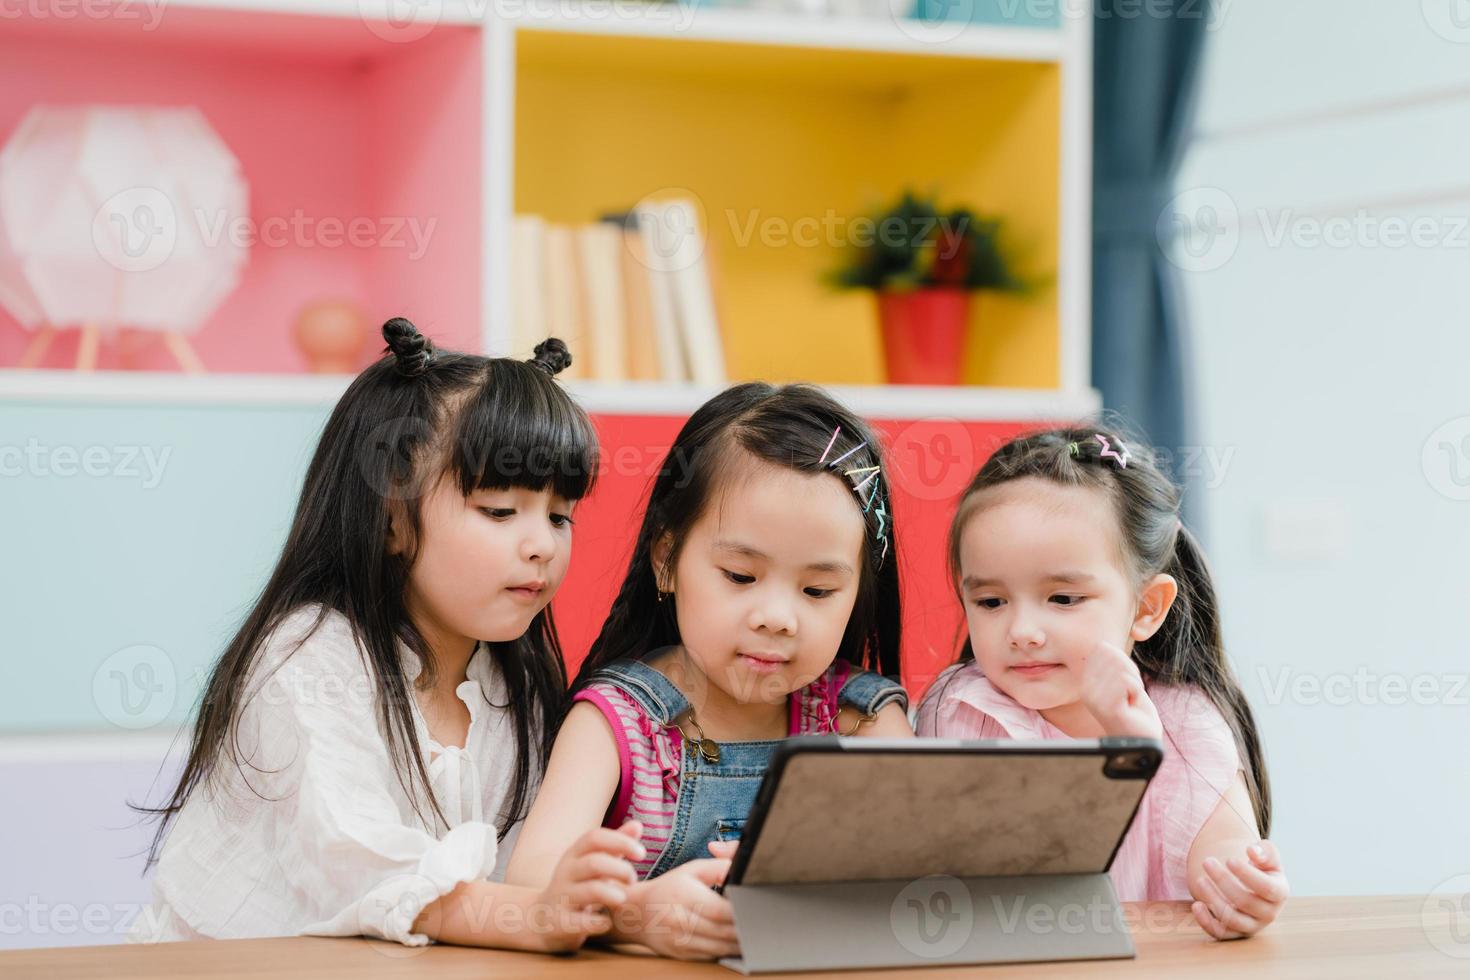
502	21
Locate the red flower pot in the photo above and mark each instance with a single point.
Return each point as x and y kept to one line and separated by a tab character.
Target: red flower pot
924	335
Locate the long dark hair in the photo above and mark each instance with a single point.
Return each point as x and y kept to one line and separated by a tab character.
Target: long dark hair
413	417
788	426
1189	648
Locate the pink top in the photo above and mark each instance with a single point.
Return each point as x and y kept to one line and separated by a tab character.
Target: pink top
648	789
1200	761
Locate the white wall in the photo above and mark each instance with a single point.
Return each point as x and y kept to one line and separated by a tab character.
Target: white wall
1331	365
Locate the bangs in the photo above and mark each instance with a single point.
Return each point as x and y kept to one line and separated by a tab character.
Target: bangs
520	429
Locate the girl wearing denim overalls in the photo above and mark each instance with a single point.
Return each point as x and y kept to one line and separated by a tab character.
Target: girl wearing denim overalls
761	602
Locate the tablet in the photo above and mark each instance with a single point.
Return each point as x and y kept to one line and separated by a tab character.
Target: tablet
834	809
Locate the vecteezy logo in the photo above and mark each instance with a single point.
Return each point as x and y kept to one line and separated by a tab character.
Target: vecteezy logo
933	917
1445	916
1450	19
932	459
932	21
400	21
1199	229
1446	459
136	230
135	688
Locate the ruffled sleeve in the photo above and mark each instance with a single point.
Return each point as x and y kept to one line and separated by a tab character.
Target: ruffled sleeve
308	833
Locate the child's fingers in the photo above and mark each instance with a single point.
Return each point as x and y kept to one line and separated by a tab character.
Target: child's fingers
1269	885
1209	923
615	842
700	948
1224	912
1263	854
724	849
708	871
633	828
1236	892
596	892
600	865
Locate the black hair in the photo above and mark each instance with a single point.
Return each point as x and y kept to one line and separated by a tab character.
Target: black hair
415	416
1189	647
790	426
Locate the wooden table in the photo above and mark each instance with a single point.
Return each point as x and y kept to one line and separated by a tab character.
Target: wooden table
1378	938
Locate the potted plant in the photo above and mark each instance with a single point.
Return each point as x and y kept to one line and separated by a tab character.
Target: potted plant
922	264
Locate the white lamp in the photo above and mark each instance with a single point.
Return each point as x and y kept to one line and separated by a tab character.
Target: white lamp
118	216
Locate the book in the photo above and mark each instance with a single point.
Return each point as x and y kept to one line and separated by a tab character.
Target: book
528	289
694	305
643	355
600	260
564	315
672	359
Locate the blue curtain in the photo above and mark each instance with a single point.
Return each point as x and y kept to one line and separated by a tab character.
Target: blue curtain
1145	65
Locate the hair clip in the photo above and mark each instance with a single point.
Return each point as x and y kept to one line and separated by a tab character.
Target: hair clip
870	475
1074	449
1108	451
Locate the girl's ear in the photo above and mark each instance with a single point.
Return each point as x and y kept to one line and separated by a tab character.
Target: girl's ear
1154	603
663	574
396	538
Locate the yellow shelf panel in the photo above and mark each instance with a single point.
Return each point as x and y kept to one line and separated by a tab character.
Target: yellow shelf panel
782	148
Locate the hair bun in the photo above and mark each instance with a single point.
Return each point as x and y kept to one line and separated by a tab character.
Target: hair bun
412	349
552	356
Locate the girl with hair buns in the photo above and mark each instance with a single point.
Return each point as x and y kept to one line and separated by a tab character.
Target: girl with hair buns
370	740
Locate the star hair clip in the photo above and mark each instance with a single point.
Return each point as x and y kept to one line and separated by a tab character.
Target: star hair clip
1108	452
871	476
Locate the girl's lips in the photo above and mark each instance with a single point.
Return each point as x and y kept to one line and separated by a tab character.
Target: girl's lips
526	593
761	665
1034	670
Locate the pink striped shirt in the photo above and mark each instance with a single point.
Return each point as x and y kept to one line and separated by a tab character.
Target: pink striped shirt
648	789
1200	762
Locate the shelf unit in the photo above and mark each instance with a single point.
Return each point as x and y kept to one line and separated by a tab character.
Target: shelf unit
338	110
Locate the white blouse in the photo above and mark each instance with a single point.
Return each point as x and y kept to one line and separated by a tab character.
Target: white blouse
312	833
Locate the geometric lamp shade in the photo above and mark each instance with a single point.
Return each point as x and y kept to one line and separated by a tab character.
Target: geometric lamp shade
119	216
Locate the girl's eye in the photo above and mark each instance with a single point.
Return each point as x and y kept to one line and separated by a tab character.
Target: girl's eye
738	578
498	513
816	593
1067	600
562	520
989	602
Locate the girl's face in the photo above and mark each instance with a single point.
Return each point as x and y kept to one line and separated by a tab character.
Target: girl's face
487	563
1043	582
766	580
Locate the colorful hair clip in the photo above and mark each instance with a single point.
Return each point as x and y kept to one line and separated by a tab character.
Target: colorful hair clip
1108	451
870	475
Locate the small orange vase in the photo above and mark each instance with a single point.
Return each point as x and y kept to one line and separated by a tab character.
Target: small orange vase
924	335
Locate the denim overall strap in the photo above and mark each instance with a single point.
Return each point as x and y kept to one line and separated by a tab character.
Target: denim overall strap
869	693
655	693
714	799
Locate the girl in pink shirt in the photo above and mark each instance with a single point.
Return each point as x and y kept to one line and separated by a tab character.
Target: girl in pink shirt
1091	612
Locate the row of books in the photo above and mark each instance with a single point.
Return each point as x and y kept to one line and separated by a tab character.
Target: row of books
631	295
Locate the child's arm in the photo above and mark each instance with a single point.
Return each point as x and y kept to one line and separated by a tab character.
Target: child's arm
677	914
1234	876
581	778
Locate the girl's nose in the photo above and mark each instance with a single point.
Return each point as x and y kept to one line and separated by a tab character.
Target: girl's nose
1026	635
773	615
539	544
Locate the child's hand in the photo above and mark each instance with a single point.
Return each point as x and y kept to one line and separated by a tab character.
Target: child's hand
1242	895
1112	691
591	877
679	915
